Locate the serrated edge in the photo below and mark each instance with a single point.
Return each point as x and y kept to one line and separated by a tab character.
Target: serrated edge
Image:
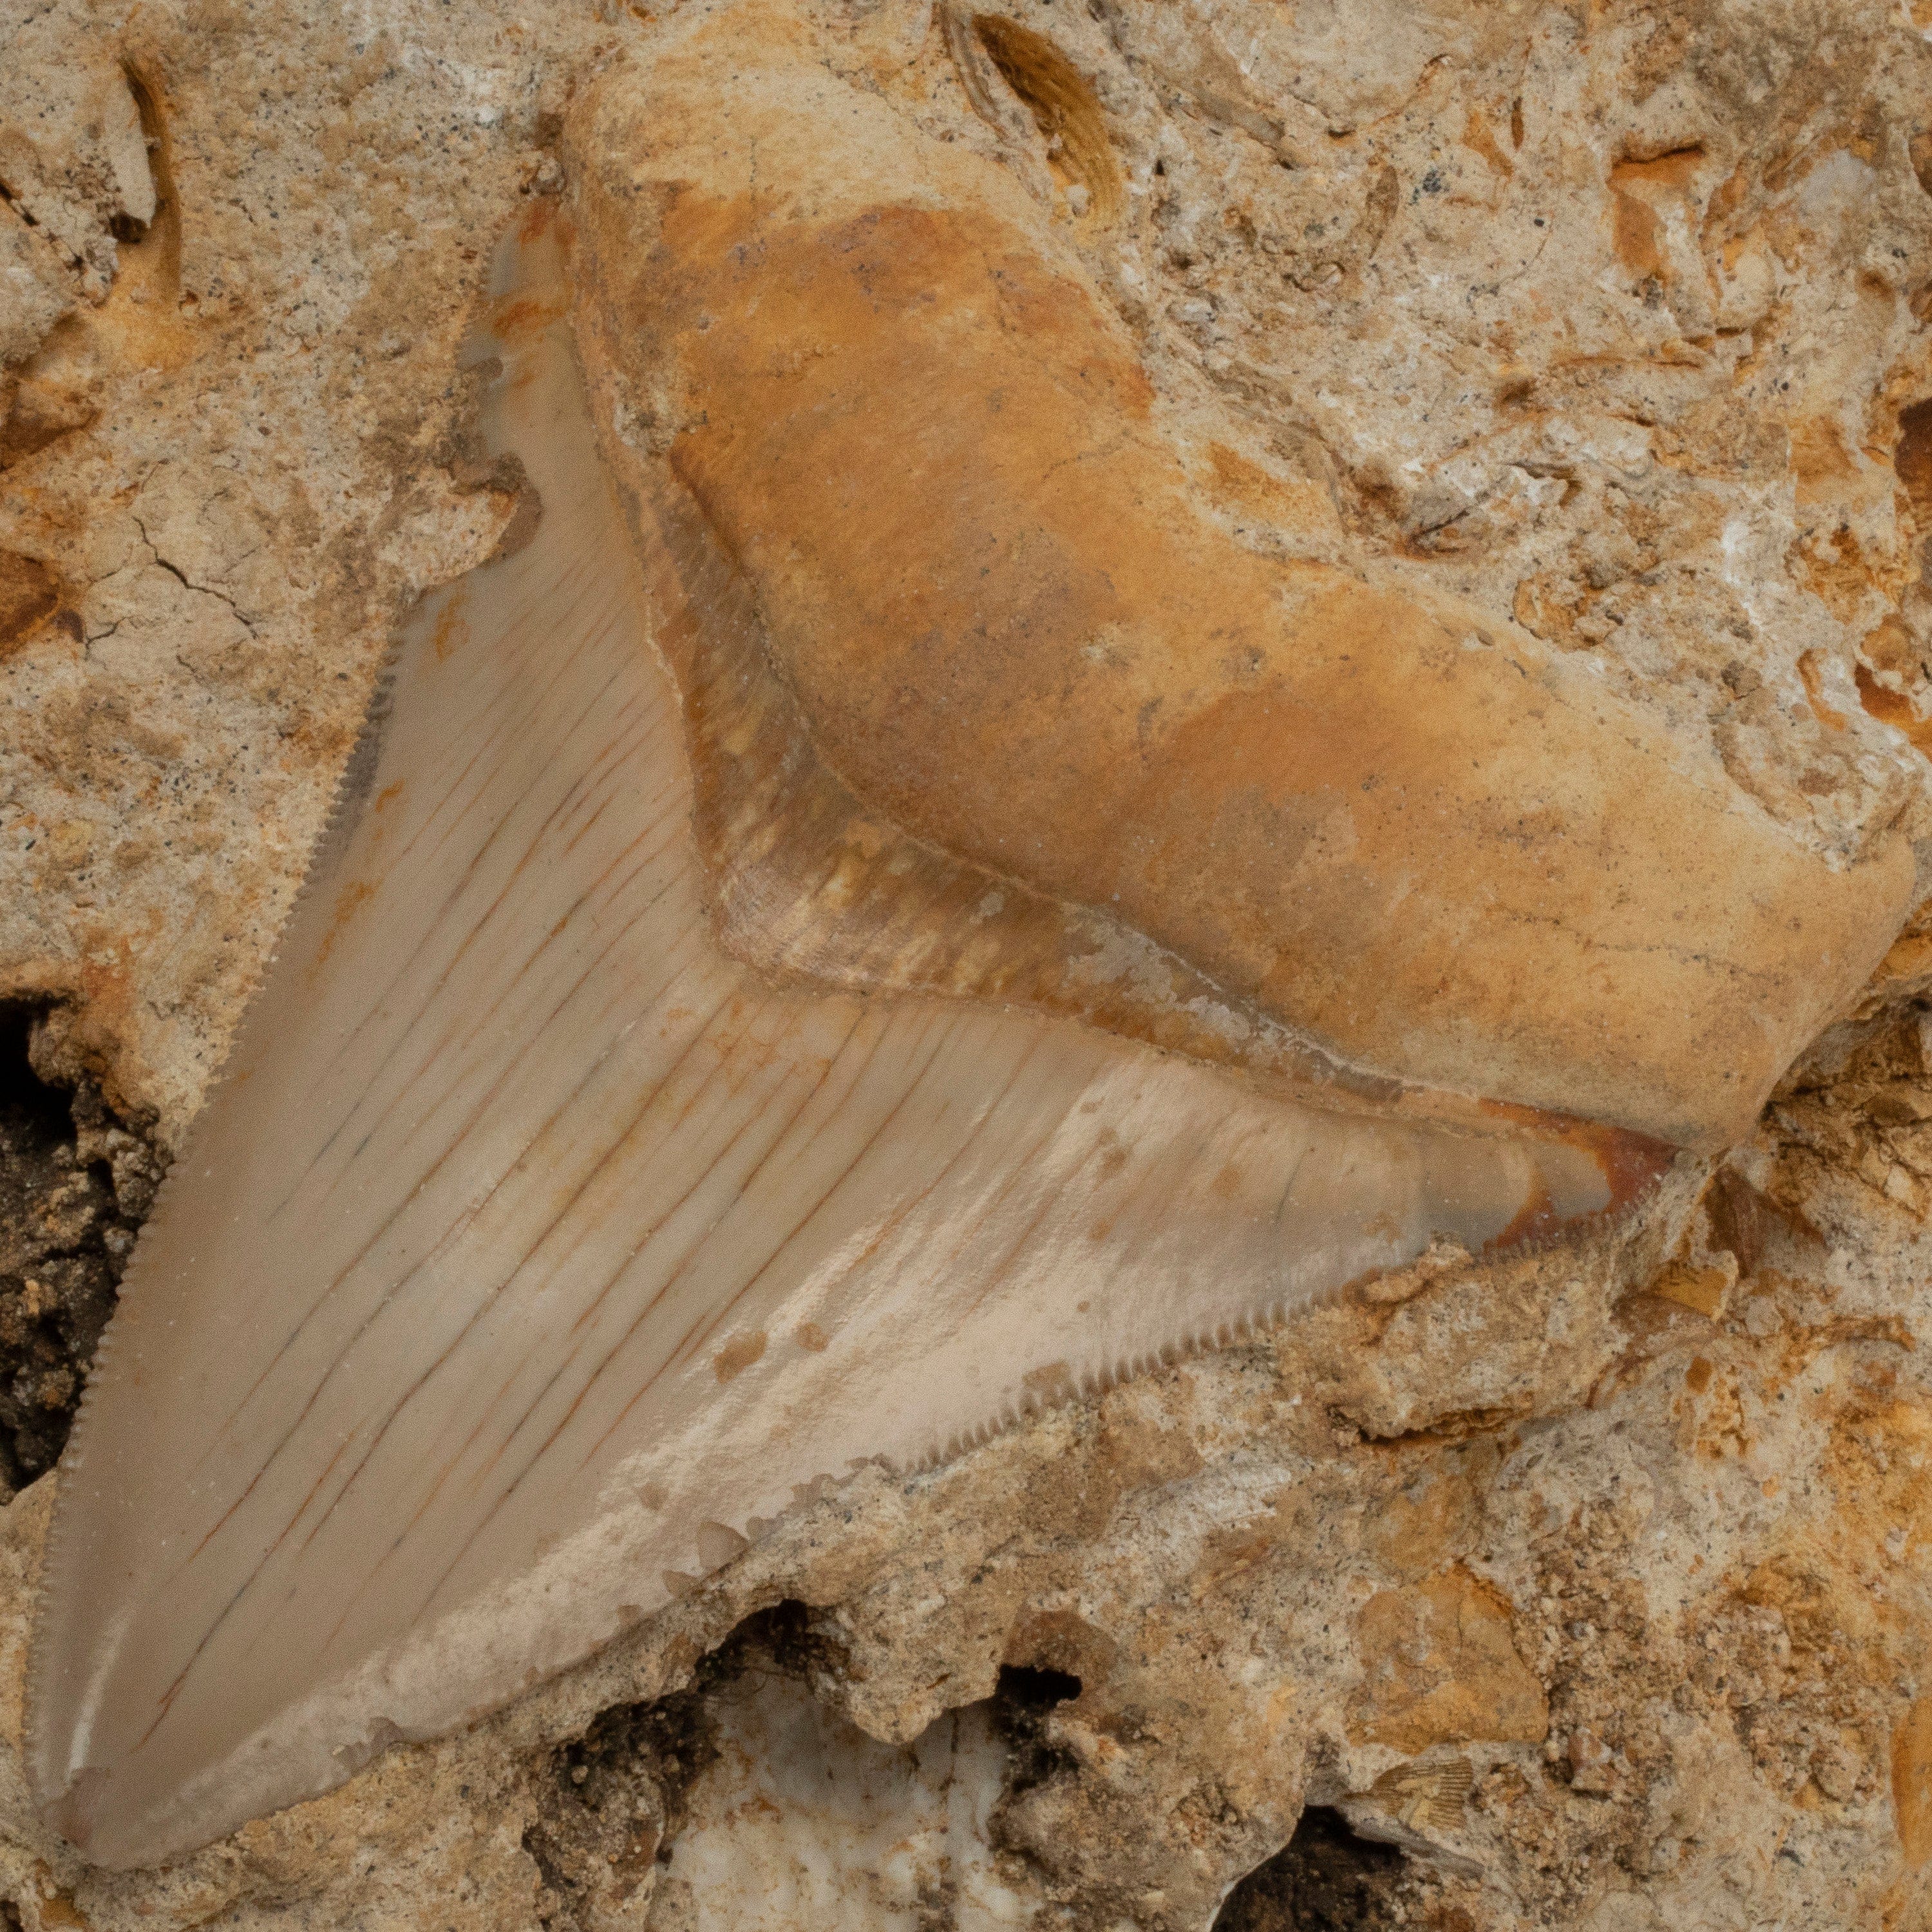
349	799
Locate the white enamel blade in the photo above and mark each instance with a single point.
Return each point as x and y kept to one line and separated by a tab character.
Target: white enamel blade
528	1239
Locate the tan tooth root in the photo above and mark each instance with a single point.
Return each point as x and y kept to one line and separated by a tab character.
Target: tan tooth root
1401	835
532	1245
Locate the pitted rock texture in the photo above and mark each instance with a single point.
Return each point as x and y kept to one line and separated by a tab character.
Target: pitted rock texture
75	1184
1599	1586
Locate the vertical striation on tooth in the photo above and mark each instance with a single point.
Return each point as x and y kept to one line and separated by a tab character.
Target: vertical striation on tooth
725	1037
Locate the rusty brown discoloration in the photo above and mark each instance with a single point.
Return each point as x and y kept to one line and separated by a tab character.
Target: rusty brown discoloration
738	1354
1893	708
354	895
29	595
1063	107
1537	1217
1638	190
451	628
1812	672
1913	458
1399	829
1476	135
1911	1784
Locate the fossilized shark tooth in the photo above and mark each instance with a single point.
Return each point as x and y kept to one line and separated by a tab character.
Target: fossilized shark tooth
566	1211
528	1234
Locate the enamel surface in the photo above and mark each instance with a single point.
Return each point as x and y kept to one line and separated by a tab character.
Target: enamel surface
534	1250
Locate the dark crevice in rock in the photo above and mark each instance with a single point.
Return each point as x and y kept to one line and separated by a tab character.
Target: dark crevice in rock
75	1182
1323	1880
786	1638
1022	1701
610	1802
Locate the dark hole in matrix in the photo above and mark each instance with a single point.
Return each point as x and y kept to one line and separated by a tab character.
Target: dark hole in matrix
1023	1700
611	1802
1323	1880
75	1182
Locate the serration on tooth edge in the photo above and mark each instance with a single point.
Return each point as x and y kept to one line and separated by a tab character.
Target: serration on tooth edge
348	796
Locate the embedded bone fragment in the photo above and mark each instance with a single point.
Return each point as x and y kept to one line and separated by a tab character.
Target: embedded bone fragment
1402	831
533	1250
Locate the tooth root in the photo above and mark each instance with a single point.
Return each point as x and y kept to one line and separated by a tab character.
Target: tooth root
1381	822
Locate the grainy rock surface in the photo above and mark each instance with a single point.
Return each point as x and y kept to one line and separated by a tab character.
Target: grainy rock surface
1593	1590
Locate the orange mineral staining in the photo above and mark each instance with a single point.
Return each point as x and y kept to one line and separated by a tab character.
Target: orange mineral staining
1399	828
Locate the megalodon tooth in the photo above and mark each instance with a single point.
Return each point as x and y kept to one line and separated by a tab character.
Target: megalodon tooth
870	916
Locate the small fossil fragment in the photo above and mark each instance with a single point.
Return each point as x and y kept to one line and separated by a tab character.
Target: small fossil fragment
1415	1805
891	1003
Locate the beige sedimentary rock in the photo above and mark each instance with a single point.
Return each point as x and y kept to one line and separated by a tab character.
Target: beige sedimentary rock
1603	321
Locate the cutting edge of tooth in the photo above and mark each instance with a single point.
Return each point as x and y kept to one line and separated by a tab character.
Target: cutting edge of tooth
348	796
1258	1324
